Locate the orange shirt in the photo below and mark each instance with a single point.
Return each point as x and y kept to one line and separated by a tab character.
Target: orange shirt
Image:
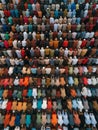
38	36
51	43
10	42
55	44
40	14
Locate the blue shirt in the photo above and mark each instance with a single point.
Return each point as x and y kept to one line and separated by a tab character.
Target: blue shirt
78	20
39	104
16	13
28	120
56	13
29	7
73	6
30	28
69	6
17	120
29	92
5	28
12	13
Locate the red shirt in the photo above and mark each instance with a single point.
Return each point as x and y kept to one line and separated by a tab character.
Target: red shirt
10	93
89	12
6	44
87	27
9	106
23	53
49	104
26	6
84	61
73	27
65	43
24	93
26	20
83	43
55	34
6	13
95	19
91	26
31	1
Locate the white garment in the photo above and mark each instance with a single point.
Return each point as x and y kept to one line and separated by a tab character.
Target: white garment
80	105
55	27
89	92
17	128
33	7
4	104
74	61
48	70
85	70
18	53
87	35
34	35
44	104
76	70
9	52
3	1
79	43
34	106
10	71
65	118
3	21
93	79
24	43
21	28
34	19
25	35
51	20
93	120
86	6
89	81
66	52
1	13
42	51
34	92
2	36
16	81
87	118
94	69
15	43
7	128
16	61
60	119
84	91
91	35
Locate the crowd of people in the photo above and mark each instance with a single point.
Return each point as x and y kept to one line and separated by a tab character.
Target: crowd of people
48	64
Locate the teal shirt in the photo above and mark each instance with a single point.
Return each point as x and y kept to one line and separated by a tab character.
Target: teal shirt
7	36
10	20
